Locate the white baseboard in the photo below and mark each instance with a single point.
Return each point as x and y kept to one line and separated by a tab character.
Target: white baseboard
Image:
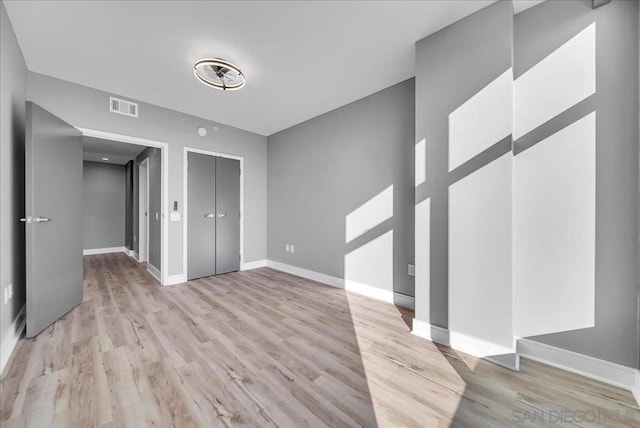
92	251
10	340
306	273
502	356
476	347
369	291
154	271
176	279
352	286
133	254
430	332
594	368
253	265
404	300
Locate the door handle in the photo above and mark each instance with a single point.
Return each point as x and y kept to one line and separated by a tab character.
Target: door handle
41	219
27	220
210	215
220	215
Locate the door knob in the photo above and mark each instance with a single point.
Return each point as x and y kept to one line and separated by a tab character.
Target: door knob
41	219
210	215
220	215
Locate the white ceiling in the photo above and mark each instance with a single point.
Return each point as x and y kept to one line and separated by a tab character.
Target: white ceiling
301	58
94	149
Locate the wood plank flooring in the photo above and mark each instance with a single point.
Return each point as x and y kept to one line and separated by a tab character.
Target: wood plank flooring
263	348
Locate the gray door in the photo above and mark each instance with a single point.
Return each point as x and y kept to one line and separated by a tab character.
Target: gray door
201	226
53	205
228	215
214	215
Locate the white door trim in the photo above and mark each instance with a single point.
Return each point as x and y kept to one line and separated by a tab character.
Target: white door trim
164	173
185	193
143	177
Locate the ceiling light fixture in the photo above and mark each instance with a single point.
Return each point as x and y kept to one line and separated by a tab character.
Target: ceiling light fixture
219	74
105	159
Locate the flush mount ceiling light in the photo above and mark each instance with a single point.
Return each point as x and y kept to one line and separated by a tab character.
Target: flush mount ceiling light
219	74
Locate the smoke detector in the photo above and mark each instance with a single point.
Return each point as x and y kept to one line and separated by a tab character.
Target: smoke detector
219	73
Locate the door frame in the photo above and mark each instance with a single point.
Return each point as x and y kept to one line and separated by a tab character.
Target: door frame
164	199
143	221
185	193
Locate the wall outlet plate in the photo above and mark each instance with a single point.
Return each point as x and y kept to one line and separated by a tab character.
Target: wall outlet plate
411	269
286	247
291	248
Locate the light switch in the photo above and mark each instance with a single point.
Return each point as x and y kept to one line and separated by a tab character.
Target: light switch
175	216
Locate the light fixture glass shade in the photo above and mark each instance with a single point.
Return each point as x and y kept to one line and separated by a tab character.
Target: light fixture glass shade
219	74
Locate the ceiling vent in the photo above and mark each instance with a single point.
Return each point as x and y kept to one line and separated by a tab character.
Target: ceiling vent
119	106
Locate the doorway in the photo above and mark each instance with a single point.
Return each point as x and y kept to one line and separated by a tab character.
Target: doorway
151	237
213	221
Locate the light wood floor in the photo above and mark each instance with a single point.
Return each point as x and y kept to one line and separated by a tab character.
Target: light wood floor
263	348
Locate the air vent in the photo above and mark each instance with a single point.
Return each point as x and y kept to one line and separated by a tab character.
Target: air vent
123	107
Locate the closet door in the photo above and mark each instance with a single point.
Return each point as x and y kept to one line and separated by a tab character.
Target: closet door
201	245
227	215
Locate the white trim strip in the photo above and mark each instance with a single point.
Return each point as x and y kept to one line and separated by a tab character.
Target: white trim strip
354	287
154	272
109	250
476	347
306	273
430	332
253	265
10	339
176	279
607	372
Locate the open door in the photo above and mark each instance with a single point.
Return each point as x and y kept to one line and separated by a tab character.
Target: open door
53	199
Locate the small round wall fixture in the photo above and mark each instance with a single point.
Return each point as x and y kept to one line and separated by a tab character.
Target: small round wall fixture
202	131
219	73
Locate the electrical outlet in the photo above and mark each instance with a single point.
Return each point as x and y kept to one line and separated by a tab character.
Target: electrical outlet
8	293
286	247
411	269
291	248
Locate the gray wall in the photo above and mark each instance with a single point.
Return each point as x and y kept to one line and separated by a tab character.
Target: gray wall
323	169
128	205
103	205
13	87
88	107
452	65
537	32
154	193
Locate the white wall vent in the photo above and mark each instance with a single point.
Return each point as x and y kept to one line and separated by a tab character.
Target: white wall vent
119	106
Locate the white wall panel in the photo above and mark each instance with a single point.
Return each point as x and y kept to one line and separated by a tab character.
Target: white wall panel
481	121
423	260
561	80
555	232
480	245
